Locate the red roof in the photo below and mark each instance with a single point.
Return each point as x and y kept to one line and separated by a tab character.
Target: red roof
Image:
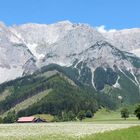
26	119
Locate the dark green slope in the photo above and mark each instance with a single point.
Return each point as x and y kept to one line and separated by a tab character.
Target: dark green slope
66	94
69	90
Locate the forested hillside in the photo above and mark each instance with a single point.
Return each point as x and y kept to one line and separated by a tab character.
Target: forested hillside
55	92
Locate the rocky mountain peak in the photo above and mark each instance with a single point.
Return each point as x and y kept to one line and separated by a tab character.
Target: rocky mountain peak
30	46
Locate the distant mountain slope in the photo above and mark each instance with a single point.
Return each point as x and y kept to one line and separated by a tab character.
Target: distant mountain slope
126	40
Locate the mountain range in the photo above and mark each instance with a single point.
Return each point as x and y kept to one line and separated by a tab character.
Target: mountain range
108	62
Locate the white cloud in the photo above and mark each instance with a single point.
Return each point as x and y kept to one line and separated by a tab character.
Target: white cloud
102	29
112	30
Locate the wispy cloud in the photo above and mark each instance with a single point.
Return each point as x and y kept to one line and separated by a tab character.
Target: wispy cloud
102	29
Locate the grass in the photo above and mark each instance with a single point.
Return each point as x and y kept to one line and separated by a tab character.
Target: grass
43	131
132	133
105	125
5	93
123	134
107	116
62	131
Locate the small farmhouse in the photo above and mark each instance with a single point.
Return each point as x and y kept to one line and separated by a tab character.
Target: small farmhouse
30	119
26	119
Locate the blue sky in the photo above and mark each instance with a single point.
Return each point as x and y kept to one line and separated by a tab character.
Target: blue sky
116	14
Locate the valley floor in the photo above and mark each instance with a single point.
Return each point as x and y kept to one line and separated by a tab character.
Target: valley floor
58	131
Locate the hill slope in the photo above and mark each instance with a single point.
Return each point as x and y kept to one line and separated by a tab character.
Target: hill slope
28	95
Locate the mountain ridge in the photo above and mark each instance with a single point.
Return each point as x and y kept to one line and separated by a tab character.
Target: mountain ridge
77	46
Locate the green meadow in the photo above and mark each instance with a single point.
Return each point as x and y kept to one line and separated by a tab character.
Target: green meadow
105	125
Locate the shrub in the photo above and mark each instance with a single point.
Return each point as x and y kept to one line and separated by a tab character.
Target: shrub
81	115
89	114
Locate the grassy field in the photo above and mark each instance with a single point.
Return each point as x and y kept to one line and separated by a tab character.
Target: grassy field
105	125
107	116
102	116
58	131
132	133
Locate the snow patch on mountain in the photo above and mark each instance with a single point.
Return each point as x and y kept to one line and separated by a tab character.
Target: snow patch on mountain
117	85
14	39
92	78
128	77
32	48
137	82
